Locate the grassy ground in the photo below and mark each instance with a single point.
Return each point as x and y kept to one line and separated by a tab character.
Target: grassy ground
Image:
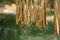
10	31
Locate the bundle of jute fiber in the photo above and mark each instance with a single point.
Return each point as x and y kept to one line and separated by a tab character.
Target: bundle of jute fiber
57	17
41	13
31	11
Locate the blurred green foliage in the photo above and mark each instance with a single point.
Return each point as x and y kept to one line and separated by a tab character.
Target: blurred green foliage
50	13
1	1
10	31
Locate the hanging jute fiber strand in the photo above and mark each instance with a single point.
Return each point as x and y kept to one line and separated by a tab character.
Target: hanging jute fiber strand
57	17
40	13
18	11
31	11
